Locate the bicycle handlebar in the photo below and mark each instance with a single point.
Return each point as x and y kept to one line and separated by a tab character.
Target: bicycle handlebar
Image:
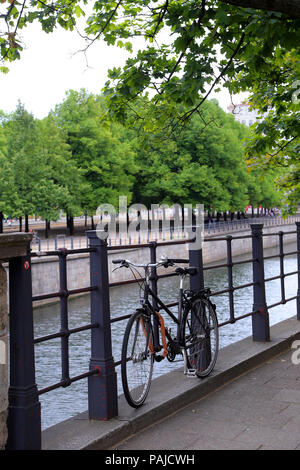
166	262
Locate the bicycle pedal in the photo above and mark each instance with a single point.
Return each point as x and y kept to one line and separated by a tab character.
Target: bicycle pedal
191	373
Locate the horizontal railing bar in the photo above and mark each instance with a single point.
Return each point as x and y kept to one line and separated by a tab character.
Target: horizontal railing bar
45	296
243	286
250	260
47	337
124	283
41	254
277	233
80	250
281	276
63	383
291	273
271	256
228	322
274	278
283	301
59	294
224	265
124	317
126	247
83	328
226	238
82	290
292	253
60	334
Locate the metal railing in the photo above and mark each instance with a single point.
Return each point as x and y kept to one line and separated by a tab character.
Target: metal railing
24	406
160	235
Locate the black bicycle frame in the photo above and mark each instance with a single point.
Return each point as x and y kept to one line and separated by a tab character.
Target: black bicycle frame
148	291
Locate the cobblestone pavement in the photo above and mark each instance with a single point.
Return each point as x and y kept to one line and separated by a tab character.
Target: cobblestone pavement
259	410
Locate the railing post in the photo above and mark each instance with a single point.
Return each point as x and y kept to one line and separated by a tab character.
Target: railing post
64	316
230	277
197	283
153	246
298	268
260	320
24	415
102	387
196	261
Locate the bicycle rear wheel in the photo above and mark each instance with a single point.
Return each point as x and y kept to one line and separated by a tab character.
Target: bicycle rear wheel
200	337
137	358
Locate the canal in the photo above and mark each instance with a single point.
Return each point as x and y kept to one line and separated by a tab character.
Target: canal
61	404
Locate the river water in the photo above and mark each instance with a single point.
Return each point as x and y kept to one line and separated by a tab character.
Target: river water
62	403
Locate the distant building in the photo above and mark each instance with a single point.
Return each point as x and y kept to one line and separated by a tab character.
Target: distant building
243	114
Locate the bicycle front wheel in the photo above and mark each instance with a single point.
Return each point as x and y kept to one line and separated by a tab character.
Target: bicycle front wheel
137	358
200	337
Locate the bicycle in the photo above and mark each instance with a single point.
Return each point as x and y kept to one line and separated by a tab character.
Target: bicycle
196	338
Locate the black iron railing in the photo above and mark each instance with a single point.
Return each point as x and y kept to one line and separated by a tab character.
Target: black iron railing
24	406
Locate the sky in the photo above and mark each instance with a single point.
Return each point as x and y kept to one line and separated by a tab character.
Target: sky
52	63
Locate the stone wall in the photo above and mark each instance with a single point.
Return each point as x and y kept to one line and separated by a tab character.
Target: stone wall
3	357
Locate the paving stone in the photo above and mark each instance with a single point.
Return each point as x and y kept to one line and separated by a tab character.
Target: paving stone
263	435
206	443
288	395
260	410
292	411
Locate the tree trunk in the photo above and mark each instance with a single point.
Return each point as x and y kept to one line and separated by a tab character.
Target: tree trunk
225	216
1	222
93	223
46	228
71	225
252	211
20	224
85	219
26	223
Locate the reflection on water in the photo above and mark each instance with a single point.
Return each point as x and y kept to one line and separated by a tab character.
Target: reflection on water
61	404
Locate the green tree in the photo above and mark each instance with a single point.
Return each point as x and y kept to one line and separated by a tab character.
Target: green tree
191	47
99	149
204	164
38	167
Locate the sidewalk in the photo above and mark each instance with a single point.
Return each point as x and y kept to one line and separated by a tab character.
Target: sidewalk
259	410
251	400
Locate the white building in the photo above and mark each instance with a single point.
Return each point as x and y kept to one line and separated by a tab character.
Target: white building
243	114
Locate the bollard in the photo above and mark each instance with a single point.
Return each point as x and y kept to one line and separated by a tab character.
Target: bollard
260	320
298	268
102	387
24	415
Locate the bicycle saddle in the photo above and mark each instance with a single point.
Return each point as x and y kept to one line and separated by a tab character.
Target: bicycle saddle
184	271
